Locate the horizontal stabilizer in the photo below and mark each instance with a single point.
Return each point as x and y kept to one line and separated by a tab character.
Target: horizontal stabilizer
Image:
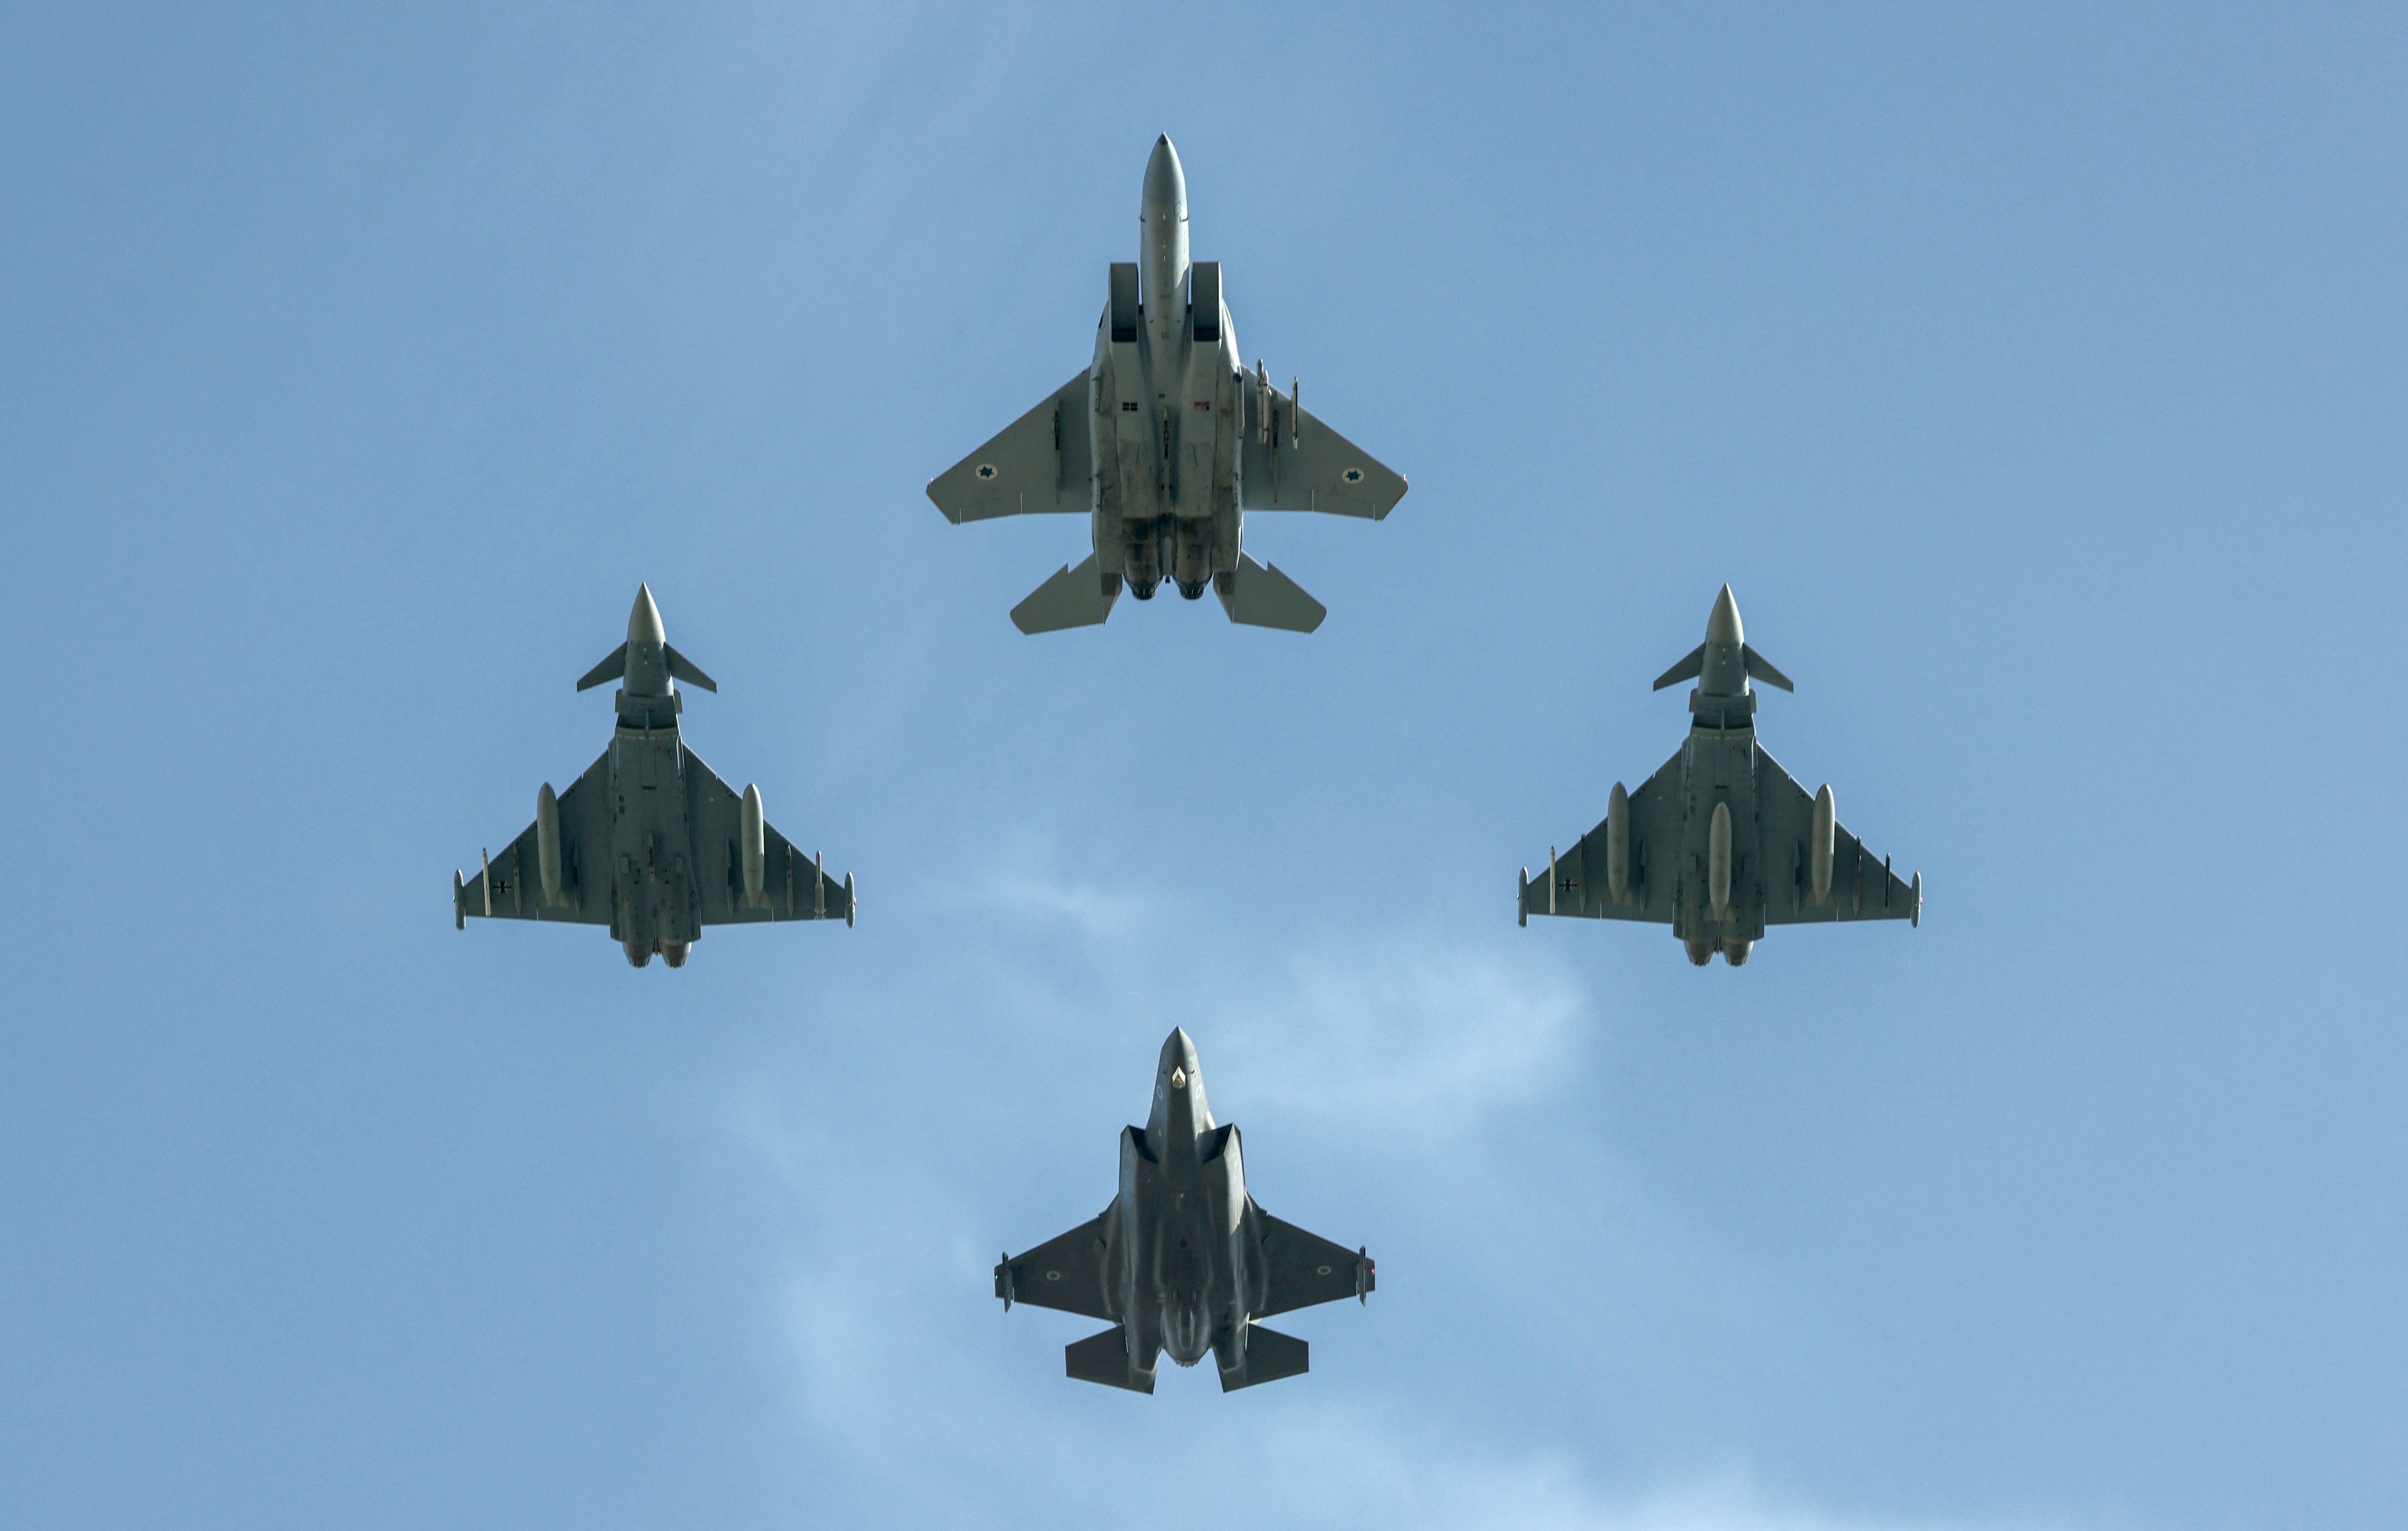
1760	668
1104	1358
1074	598
1269	1356
1687	670
609	669
1259	595
687	670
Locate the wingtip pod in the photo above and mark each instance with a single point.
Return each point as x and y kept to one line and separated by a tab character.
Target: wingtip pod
1914	916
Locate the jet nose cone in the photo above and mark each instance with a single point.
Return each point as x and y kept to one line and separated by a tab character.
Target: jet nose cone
644	623
1178	1051
1722	626
1166	181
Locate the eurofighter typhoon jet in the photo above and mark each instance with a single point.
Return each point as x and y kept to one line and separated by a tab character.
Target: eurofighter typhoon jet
1722	841
1166	442
1182	1260
648	841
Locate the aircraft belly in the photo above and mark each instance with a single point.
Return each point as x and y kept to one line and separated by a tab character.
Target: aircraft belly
1720	769
652	838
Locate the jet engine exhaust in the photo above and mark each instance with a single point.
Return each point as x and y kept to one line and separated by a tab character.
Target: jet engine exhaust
1735	952
1143	589
673	953
1702	950
1193	591
639	954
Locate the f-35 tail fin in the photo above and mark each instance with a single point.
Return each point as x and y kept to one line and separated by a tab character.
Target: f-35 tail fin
1259	595
1104	1358
1269	1356
1074	598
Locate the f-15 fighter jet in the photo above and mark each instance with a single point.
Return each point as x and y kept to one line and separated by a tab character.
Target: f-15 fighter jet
1182	1260
1722	841
1166	442
648	841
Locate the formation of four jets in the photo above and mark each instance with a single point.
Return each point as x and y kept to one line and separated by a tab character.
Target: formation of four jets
1165	440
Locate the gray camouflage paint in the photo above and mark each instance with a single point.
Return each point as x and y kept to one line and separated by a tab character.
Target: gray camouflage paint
1721	841
648	841
1165	440
1183	1261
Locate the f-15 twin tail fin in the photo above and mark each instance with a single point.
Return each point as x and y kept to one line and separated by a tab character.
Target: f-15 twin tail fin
1259	595
1074	598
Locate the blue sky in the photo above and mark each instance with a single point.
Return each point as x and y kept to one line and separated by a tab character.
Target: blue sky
2034	374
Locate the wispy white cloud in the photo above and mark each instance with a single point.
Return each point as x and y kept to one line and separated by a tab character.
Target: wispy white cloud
1349	1468
928	1404
1434	1025
1435	1029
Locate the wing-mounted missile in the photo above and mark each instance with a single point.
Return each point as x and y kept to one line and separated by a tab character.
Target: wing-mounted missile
752	840
1617	845
1821	837
547	844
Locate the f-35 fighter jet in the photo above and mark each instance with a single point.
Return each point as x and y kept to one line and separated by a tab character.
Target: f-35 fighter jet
1182	1260
1165	442
1722	841
648	841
